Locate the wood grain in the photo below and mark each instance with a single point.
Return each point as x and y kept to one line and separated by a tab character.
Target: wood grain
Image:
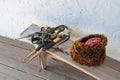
12	56
102	72
16	43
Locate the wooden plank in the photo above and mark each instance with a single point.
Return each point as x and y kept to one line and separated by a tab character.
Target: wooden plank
16	43
100	73
5	76
114	64
12	56
57	67
111	66
10	72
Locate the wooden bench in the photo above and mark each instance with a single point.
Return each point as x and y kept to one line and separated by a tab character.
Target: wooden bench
13	68
107	71
110	70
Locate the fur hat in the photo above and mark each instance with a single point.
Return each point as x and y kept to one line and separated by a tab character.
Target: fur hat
89	53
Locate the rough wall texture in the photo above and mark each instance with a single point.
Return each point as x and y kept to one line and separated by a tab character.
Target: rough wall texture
84	16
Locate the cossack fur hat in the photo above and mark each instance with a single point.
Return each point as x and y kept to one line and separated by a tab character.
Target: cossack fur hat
90	50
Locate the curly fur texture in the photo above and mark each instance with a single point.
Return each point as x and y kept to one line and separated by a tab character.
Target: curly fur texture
89	55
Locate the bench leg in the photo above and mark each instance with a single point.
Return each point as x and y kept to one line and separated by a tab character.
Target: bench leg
42	60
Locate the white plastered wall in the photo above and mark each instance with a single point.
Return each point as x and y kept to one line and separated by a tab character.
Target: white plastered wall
84	16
